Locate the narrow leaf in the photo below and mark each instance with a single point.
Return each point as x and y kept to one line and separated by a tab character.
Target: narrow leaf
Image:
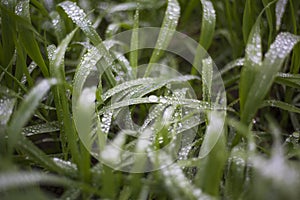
166	33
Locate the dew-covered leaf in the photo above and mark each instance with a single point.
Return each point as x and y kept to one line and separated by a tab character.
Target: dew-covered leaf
7	103
213	155
175	181
84	113
10	180
280	8
253	59
85	67
27	107
235	63
236	174
291	80
266	74
207	77
208	23
166	33
28	39
80	19
280	104
134	44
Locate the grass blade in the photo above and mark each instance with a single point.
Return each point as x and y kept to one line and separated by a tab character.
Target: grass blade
27	37
56	65
280	104
134	45
208	24
280	8
166	33
264	78
25	111
252	63
213	154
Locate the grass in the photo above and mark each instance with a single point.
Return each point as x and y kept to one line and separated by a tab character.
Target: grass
88	111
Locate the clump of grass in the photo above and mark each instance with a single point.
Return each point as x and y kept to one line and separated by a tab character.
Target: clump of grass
80	120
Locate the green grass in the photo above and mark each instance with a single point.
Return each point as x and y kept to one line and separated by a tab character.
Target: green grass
81	119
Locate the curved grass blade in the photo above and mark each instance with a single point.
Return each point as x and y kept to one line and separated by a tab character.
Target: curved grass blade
134	44
280	8
252	63
25	111
208	24
27	37
207	76
166	33
56	58
248	19
235	63
236	174
86	65
80	19
280	104
291	80
10	180
176	183
213	153
84	113
264	78
7	104
41	128
20	179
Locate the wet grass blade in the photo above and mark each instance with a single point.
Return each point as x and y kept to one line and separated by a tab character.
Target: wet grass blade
28	39
80	19
207	77
248	19
208	24
280	9
166	33
25	111
56	57
266	74
280	104
252	63
213	156
134	45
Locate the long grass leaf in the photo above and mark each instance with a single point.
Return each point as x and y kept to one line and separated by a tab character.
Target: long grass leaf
253	59
208	24
280	8
25	111
213	154
264	78
134	45
280	104
166	33
80	19
27	38
56	57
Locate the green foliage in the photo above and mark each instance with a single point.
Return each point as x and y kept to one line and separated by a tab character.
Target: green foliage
78	115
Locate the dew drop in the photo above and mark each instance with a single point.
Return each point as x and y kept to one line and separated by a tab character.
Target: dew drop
153	98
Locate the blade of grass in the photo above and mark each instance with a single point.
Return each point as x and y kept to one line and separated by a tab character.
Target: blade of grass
280	9
166	33
207	33
25	111
280	104
264	78
80	19
134	45
56	58
213	154
27	37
